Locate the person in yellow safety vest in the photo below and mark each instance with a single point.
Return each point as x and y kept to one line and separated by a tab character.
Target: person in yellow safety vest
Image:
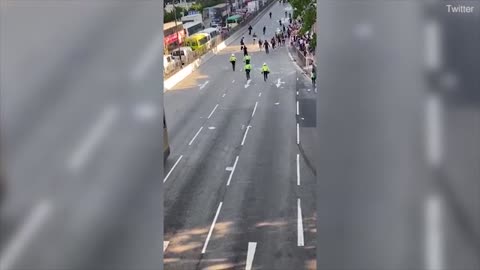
248	68
265	71
247	59
233	59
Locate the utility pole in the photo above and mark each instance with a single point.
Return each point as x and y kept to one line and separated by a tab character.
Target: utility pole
176	31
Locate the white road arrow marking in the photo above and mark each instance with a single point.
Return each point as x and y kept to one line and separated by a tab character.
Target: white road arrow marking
203	85
279	82
248	83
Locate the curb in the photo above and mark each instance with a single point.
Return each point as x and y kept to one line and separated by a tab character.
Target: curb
190	68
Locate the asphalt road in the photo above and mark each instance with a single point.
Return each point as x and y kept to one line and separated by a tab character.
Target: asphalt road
232	194
81	135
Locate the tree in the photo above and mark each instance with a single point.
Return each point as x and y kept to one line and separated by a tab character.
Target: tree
170	16
307	10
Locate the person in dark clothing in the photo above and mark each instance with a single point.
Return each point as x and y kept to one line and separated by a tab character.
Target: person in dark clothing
242	44
250	30
270	15
245	51
273	43
264	30
266	45
260	43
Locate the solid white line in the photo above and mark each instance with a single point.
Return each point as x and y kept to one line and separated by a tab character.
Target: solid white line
211	228
434	130
255	108
298	134
290	55
259	94
223	95
171	170
93	138
193	139
252	246
300	240
298	110
297	93
18	243
152	53
298	169
233	170
233	81
245	135
203	85
434	241
165	245
212	111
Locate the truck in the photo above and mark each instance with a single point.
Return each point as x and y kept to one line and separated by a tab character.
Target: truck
192	18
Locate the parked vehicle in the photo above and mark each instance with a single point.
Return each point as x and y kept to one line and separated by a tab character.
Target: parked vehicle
197	42
186	53
192	18
192	28
169	64
212	32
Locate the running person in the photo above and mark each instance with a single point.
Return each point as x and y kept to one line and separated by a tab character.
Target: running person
242	43
248	68
265	71
266	45
247	59
233	59
314	76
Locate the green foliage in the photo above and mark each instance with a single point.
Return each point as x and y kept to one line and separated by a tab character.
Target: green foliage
307	10
313	42
170	16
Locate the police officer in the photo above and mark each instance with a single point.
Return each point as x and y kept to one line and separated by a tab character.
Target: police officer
248	68
247	59
265	71
233	59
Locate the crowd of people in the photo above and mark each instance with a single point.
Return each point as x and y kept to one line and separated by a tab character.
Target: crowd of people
284	34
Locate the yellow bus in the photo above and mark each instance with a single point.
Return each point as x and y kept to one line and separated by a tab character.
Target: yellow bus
197	42
166	145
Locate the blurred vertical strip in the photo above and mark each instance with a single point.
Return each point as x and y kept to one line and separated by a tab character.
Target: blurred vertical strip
398	135
81	138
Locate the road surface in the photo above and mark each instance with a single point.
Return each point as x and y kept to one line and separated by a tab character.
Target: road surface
240	191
